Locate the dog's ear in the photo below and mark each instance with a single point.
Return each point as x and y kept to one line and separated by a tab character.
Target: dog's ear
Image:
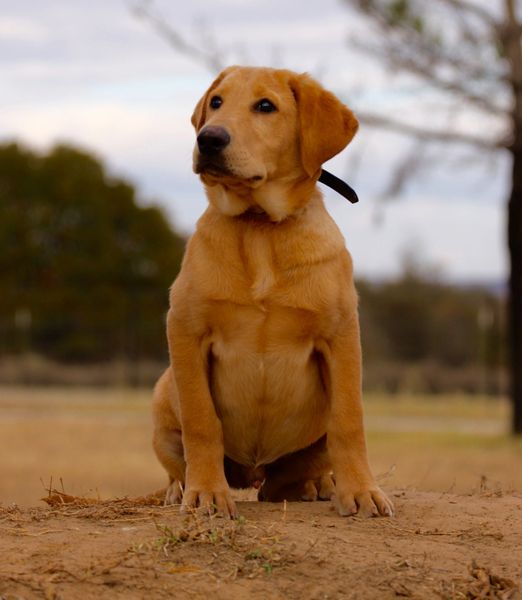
326	125
200	112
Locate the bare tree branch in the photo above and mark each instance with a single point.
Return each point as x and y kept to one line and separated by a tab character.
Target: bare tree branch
406	44
469	68
212	60
454	86
417	64
473	9
468	49
409	165
414	131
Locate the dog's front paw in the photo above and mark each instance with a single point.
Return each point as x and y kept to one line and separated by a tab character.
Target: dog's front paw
217	500
368	501
174	493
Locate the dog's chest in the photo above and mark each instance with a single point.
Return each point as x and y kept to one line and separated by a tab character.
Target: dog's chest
267	292
302	266
264	371
259	260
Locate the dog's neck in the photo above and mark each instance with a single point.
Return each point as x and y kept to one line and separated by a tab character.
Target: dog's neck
273	200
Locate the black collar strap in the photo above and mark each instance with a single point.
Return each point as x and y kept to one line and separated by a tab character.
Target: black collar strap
340	186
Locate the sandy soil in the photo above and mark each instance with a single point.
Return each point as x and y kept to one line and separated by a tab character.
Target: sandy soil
457	534
438	546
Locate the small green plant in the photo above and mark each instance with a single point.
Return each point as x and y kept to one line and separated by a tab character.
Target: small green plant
265	560
168	538
268	568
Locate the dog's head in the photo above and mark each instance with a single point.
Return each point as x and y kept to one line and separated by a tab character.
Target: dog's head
260	129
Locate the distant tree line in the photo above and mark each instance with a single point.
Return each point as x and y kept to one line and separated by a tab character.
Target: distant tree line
86	265
85	268
420	332
415	318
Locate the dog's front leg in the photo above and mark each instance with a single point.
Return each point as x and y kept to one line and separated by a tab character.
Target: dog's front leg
356	489
201	430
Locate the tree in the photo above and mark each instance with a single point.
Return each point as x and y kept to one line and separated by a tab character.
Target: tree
84	266
470	52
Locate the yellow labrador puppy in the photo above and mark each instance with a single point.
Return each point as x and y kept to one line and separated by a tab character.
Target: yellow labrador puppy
264	385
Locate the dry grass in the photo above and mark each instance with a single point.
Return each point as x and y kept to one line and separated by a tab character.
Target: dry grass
481	583
98	441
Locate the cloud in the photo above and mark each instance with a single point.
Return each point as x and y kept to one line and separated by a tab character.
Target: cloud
20	29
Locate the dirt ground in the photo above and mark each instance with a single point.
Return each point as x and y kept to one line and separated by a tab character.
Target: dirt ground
438	546
452	471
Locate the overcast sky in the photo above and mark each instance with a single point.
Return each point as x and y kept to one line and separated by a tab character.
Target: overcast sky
92	74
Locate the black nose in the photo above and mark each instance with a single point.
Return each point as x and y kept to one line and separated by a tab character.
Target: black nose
211	140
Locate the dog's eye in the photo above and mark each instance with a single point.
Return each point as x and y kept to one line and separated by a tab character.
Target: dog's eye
265	106
216	102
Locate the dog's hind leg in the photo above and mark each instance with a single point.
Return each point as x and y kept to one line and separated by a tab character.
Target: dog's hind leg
169	450
303	475
167	442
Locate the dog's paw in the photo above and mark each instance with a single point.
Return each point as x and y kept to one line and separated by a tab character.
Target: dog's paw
370	502
174	493
319	489
308	492
326	488
219	501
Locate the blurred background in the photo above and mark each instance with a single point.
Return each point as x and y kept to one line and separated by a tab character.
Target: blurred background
97	199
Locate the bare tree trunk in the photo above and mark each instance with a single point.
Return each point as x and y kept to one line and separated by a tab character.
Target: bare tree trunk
515	284
514	54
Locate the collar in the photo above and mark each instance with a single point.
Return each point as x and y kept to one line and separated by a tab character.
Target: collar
340	186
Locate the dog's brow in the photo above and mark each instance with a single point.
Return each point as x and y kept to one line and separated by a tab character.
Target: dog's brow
261	91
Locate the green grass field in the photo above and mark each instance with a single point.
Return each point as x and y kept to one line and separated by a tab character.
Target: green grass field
98	442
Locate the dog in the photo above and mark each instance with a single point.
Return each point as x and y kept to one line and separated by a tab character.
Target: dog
264	383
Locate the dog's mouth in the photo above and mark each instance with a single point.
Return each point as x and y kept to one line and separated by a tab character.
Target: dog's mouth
218	170
215	168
